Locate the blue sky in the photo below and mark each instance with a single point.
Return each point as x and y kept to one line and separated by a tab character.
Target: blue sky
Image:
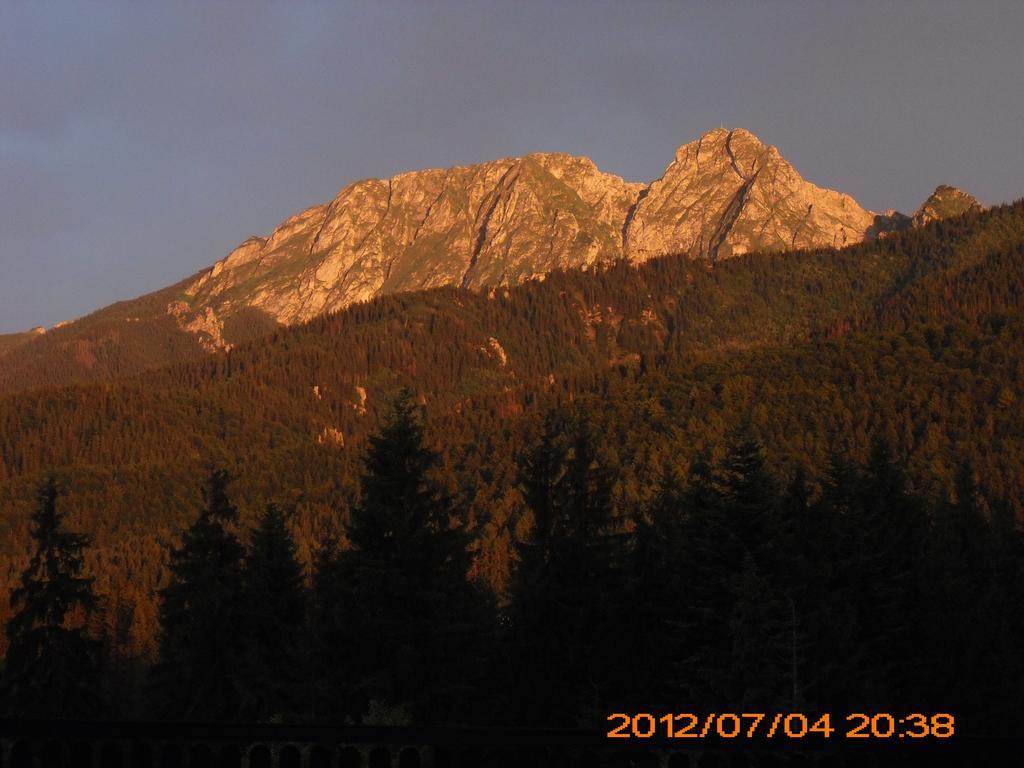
141	142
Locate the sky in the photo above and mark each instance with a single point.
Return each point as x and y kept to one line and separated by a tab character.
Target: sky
140	142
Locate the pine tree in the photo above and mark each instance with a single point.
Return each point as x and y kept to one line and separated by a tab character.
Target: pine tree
53	666
536	613
416	627
566	592
767	618
336	693
739	629
804	562
885	536
654	610
964	603
764	630
197	677
832	678
403	517
541	476
750	493
709	558
274	605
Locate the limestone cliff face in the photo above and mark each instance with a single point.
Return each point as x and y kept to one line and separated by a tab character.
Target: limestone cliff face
943	203
727	194
509	220
495	223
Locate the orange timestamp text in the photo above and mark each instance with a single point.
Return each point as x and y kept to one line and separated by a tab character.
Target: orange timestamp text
780	725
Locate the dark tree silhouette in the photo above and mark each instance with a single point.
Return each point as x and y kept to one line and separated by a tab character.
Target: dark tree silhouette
415	628
274	606
881	543
654	608
53	666
564	631
764	619
334	693
197	677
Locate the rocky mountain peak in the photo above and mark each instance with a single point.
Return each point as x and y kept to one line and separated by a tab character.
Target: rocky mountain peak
728	193
738	146
512	219
945	202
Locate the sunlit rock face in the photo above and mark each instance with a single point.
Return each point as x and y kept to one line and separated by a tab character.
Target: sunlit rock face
509	220
727	194
945	202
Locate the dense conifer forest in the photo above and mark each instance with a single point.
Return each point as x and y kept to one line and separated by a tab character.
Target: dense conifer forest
788	482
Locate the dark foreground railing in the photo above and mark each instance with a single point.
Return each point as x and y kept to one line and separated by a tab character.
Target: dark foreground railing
35	744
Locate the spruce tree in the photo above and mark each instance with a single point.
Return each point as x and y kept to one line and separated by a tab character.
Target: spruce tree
832	593
535	617
274	605
750	493
884	537
655	608
764	618
52	668
966	604
336	694
709	558
197	677
415	624
567	592
738	625
541	476
765	642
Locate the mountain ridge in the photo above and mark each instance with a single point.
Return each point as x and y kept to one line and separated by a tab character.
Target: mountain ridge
504	221
477	226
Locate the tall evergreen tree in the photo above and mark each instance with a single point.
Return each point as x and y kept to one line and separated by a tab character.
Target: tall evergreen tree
709	555
541	474
566	593
765	633
335	691
831	590
750	493
53	665
739	625
884	539
416	627
654	609
764	618
197	677
274	606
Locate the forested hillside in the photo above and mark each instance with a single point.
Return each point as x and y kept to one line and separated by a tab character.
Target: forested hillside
122	339
9	341
915	340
